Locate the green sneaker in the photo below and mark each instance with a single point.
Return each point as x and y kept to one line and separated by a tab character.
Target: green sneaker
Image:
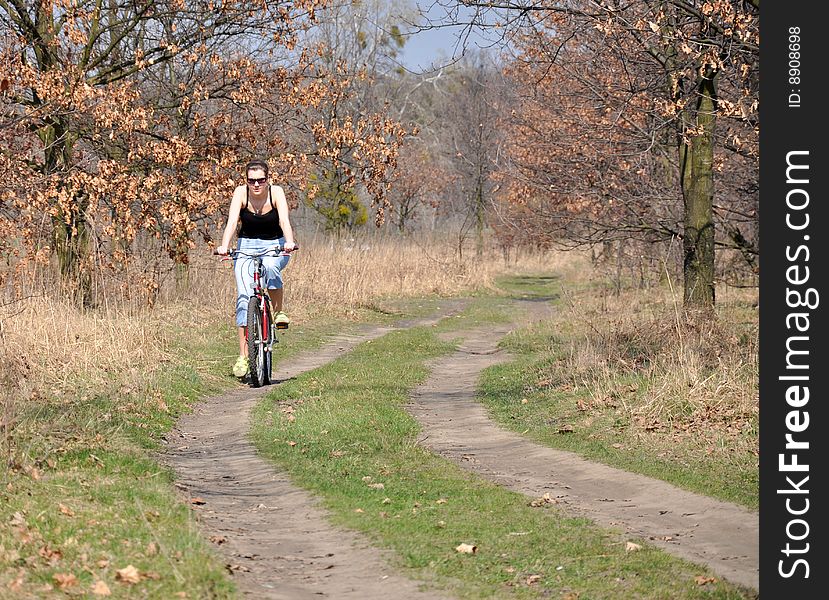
281	320
241	367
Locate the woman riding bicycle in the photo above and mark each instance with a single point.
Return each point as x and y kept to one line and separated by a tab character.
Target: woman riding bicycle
263	212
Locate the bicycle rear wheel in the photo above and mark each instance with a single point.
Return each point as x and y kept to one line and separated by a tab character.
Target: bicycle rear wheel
256	343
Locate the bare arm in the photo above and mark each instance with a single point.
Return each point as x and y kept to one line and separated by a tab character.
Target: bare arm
232	219
281	204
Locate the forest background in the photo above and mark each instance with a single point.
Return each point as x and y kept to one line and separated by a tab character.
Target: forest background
628	128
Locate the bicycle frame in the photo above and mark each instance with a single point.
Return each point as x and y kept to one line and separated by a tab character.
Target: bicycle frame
259	333
261	293
259	269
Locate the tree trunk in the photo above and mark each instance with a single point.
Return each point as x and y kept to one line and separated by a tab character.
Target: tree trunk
70	232
696	163
479	220
620	257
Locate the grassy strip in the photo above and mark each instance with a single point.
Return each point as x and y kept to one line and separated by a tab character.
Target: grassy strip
80	524
87	501
542	396
341	432
84	497
557	418
530	287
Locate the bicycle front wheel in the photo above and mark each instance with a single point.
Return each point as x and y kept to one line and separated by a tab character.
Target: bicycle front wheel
269	341
256	343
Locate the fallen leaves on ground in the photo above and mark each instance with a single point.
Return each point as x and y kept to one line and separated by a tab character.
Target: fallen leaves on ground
17	584
234	568
703	580
100	588
543	501
51	555
128	574
466	549
65	580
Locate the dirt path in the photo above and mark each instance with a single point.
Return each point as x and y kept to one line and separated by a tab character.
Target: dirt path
279	544
721	535
277	540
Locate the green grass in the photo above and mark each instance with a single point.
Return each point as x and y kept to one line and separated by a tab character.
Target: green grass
346	431
554	418
97	512
480	310
535	396
531	287
84	497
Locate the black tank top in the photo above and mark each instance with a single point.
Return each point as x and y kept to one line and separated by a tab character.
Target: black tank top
260	227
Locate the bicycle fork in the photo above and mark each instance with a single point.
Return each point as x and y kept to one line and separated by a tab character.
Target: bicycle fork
267	325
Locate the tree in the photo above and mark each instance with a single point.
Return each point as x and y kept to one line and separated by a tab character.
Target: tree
467	109
81	88
130	118
475	140
676	61
336	201
419	183
359	42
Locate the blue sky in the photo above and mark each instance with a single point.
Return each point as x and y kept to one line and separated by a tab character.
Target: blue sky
435	46
439	45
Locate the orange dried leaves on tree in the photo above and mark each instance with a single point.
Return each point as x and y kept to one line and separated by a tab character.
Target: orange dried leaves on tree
146	136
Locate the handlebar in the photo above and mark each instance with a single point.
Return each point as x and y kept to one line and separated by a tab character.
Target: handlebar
276	249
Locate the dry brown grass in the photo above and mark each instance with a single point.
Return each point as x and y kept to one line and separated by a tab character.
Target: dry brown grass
332	277
699	371
52	349
336	277
665	368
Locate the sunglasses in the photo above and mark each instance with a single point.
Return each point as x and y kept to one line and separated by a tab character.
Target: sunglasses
255	181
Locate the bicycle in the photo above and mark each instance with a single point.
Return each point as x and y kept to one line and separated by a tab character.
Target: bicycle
261	330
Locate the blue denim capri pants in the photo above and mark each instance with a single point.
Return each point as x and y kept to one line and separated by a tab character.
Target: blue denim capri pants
244	266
